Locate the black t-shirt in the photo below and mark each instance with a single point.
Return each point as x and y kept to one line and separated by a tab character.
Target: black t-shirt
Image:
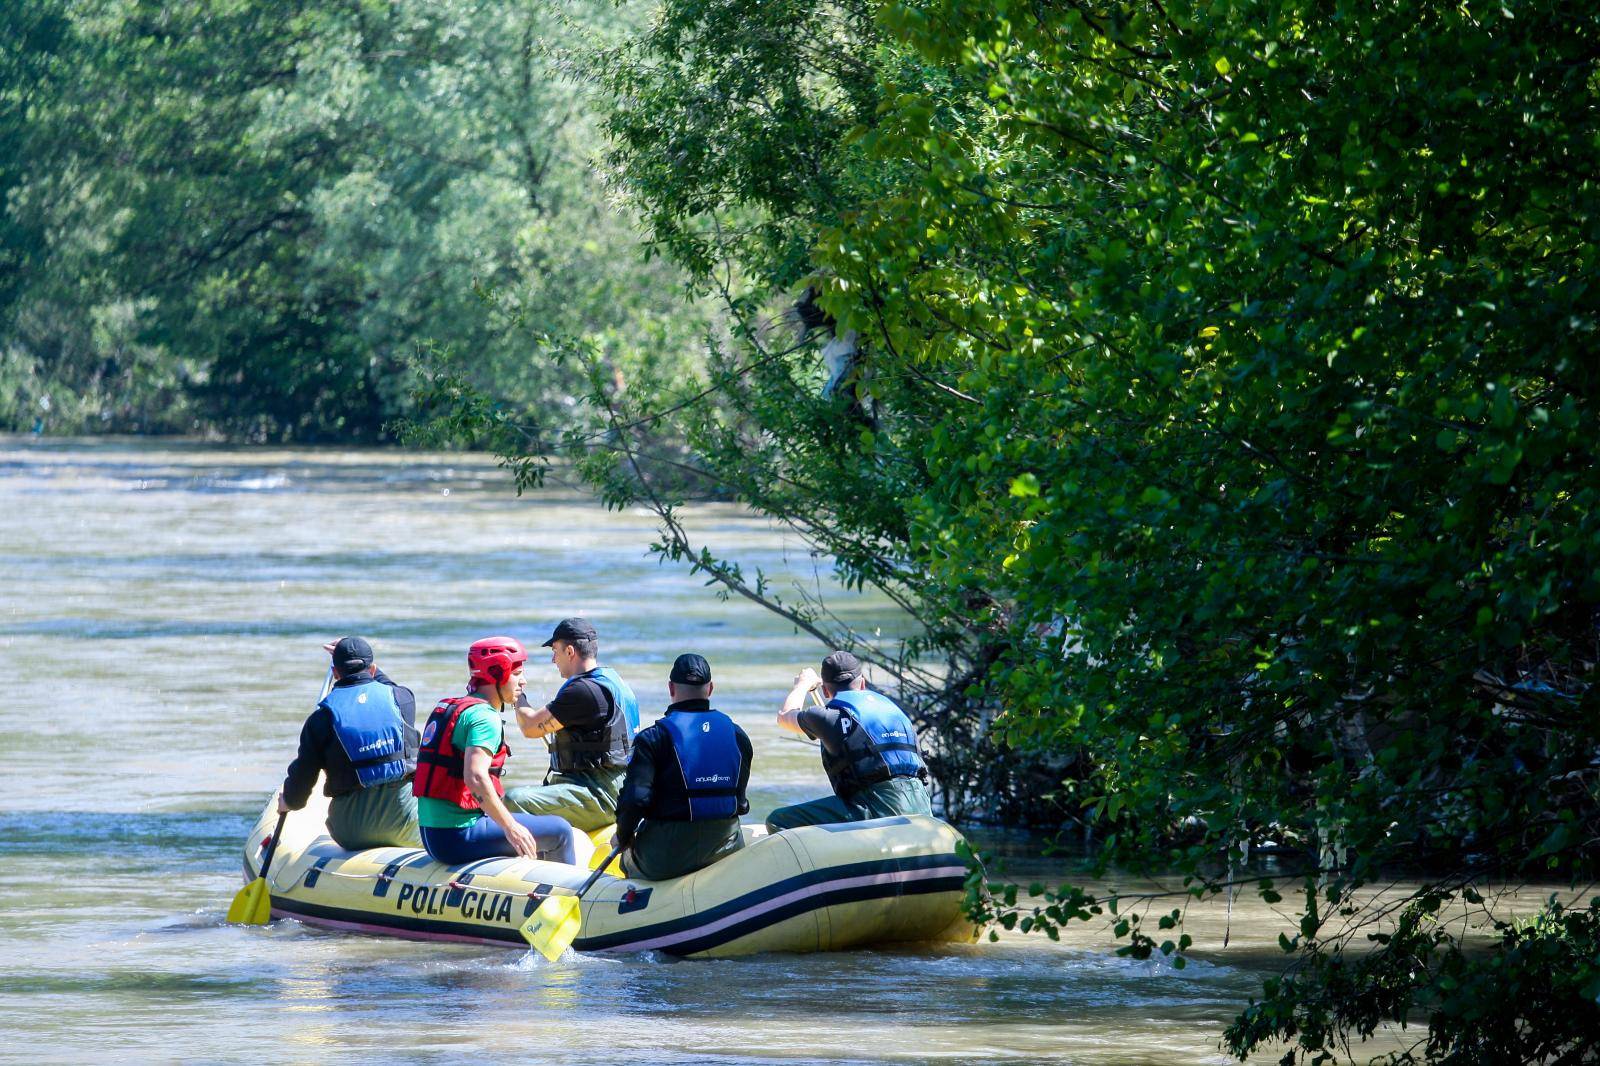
827	725
581	704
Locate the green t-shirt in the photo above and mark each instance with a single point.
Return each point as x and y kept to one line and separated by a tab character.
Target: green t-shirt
479	726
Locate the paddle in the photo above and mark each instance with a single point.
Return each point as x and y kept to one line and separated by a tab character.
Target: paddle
554	926
816	701
253	904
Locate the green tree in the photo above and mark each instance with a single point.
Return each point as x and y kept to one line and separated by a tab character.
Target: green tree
254	216
1223	389
731	130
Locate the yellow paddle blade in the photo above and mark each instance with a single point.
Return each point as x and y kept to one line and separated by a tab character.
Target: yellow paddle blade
253	904
554	926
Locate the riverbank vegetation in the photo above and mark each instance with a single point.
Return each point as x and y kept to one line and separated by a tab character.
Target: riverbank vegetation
244	219
1212	383
1213	386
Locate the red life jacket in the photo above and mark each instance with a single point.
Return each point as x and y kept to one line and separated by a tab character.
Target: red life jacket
441	766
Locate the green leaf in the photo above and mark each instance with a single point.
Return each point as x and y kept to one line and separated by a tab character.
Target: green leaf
1025	485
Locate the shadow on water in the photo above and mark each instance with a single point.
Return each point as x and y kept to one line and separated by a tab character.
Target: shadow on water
209	839
177	988
244	566
220	471
448	632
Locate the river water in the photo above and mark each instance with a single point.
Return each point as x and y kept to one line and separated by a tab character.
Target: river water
161	611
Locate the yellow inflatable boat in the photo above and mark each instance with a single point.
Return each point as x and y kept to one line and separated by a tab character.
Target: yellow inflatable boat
822	888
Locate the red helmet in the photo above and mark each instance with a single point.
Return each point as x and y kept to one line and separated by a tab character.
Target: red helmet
494	659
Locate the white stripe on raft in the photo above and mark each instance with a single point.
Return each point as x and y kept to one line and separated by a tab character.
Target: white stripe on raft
898	876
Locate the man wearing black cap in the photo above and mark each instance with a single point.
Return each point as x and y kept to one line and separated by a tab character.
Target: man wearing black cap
869	749
363	737
686	783
589	726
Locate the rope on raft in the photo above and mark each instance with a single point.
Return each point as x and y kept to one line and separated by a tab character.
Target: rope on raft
556	890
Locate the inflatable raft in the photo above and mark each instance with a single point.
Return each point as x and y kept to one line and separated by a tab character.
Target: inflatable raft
821	888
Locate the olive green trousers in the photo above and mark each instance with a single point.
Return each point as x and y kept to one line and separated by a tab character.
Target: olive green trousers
898	795
663	850
587	799
380	817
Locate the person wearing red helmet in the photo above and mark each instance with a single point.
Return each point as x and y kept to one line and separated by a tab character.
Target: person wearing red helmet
462	755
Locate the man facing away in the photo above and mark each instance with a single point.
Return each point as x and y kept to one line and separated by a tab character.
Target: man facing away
588	724
869	749
363	737
686	782
462	756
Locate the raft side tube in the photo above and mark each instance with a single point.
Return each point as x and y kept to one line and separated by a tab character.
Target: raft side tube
819	888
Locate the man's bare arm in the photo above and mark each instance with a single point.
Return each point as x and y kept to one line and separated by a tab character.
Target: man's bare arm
476	773
805	683
537	722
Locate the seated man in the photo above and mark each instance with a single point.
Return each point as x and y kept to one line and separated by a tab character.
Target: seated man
363	737
459	765
589	726
869	749
686	782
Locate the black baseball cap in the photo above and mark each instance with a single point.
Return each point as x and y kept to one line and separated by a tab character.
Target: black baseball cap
572	630
690	669
841	669
352	655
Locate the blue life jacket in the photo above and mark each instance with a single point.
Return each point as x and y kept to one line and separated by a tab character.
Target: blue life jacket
368	725
880	743
709	759
607	746
621	695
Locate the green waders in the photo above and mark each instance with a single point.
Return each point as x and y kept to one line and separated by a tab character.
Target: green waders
898	795
663	850
586	798
379	817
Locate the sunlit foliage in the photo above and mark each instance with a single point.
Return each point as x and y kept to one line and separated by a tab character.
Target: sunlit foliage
1226	382
246	218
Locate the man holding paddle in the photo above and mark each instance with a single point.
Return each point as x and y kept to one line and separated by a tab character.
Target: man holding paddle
686	783
869	748
363	738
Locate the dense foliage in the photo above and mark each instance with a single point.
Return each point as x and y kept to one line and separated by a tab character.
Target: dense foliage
247	218
1210	382
1221	400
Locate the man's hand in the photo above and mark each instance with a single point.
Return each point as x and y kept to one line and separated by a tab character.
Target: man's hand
328	647
283	808
521	839
805	682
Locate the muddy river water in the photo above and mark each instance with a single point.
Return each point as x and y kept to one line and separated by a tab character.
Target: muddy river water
161	607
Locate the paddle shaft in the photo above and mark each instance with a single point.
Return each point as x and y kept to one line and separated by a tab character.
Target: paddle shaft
272	845
587	885
277	832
